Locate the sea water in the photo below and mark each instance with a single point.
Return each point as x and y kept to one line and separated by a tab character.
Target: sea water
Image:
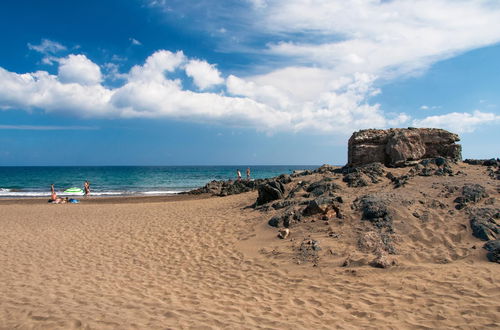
28	181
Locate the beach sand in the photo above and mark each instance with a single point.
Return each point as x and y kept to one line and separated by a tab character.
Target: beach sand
209	263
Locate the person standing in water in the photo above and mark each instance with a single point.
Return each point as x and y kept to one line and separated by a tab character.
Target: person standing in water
86	188
53	195
248	173
238	175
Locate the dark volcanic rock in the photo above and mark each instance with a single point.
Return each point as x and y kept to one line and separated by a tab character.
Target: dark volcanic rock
375	209
286	219
493	248
471	193
225	188
398	146
270	191
322	187
321	205
360	176
484	224
483	162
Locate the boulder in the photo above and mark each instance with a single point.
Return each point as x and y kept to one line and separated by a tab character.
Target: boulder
493	248
398	146
321	205
375	209
484	225
270	191
322	187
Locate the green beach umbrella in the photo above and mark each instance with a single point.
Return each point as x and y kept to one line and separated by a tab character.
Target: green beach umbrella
73	190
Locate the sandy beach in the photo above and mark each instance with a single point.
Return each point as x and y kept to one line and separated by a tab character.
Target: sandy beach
210	263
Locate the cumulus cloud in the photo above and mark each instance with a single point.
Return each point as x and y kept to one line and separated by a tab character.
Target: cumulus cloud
317	70
459	122
205	75
147	92
79	69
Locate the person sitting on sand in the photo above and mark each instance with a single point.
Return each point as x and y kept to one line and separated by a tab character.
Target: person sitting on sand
86	187
238	174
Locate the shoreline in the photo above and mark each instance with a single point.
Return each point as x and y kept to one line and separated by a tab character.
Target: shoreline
106	199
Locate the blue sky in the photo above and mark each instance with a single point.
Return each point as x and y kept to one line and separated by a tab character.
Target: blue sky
159	82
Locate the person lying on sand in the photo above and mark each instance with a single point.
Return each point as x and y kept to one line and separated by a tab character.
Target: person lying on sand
59	200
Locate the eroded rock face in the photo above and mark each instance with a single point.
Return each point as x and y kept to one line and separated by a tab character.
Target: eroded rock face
398	146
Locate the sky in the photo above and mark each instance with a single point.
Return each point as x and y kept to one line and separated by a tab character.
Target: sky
248	82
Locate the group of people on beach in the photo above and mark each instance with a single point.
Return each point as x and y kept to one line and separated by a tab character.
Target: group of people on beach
238	174
62	200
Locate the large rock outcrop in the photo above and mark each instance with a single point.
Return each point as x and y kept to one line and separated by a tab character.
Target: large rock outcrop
397	146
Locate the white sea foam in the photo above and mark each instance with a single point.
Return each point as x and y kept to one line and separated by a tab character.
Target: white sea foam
4	193
10	193
161	192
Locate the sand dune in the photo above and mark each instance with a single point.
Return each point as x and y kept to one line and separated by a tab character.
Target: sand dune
213	263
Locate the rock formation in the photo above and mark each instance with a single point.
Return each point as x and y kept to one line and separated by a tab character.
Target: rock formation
397	146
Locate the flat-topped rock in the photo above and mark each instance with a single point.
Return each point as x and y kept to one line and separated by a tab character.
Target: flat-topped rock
398	146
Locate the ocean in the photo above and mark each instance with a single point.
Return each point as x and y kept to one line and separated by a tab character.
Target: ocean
35	181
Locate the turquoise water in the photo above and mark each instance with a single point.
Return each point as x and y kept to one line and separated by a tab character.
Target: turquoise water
123	180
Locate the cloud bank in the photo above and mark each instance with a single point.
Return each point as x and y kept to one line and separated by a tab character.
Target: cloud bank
327	57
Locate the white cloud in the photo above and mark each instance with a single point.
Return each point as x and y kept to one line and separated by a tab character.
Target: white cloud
47	46
458	122
317	69
156	66
44	91
135	42
424	107
79	69
381	37
205	75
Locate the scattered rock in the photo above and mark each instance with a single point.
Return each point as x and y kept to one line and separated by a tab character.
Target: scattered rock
375	210
370	242
383	261
493	248
283	233
286	220
321	205
471	193
399	146
325	185
484	225
325	168
283	203
225	188
483	162
308	251
360	176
